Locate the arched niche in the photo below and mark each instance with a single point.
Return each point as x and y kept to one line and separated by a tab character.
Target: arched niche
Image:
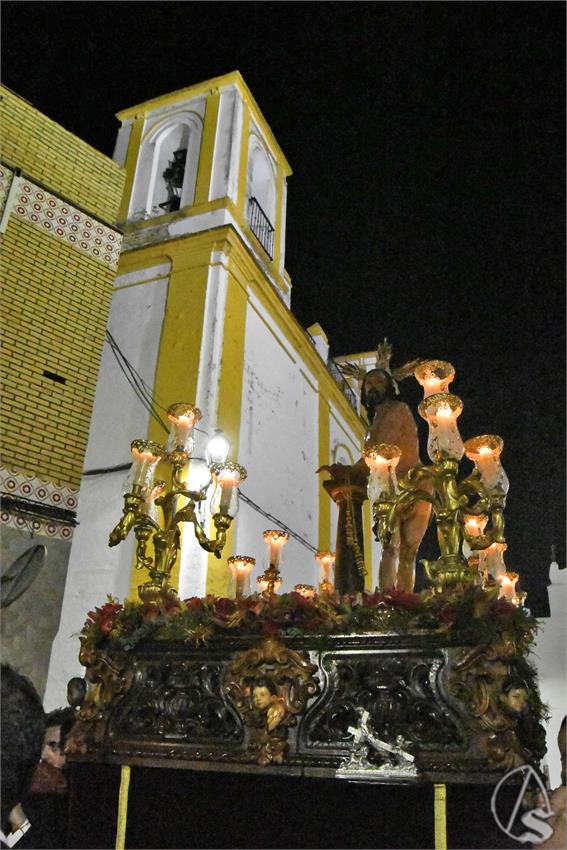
261	192
182	130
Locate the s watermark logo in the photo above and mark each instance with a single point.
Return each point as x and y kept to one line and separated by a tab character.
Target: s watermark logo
534	820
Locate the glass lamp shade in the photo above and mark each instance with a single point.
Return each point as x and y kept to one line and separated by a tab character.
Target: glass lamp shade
227	477
441	411
275	541
217	448
263	583
306	590
508	588
150	505
474	525
240	568
147	455
326	561
381	460
183	418
434	376
485	452
491	560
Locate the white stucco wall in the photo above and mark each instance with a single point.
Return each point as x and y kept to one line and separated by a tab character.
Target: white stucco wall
96	570
549	655
228	140
278	446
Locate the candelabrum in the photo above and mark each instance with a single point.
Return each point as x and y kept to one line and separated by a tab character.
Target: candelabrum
270	580
468	512
178	504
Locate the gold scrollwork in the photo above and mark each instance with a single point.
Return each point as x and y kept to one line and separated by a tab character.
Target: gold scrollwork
270	685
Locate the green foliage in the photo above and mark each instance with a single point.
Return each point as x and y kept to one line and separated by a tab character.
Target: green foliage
472	614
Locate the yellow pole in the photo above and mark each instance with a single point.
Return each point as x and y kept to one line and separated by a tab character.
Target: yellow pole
440	817
122	806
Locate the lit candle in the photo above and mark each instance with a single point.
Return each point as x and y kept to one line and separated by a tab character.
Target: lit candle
275	540
381	460
264	583
147	455
508	587
491	560
227	477
228	483
475	524
183	418
149	505
441	412
241	567
474	527
326	561
306	590
434	376
485	452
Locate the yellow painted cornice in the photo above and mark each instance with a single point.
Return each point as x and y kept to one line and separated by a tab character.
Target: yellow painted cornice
244	268
234	78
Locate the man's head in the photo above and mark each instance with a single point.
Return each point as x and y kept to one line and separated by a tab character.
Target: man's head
23	725
59	723
377	385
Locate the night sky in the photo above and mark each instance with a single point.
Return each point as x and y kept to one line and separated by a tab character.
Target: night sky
426	203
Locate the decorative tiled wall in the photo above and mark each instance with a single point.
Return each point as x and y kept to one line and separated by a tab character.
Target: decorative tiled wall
53	216
35	490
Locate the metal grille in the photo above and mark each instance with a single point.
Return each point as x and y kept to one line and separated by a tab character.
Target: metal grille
261	227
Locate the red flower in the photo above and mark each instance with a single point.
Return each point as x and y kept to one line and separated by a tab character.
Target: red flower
150	612
503	608
448	614
105	616
402	598
195	603
269	629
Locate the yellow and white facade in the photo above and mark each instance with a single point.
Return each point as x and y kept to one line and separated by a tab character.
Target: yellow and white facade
59	249
201	310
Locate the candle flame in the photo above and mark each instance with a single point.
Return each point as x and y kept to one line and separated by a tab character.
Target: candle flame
444	411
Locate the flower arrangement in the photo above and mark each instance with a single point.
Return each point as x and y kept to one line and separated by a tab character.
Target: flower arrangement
474	614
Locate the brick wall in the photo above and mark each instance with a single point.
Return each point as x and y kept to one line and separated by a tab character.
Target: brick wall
55	313
57	289
55	157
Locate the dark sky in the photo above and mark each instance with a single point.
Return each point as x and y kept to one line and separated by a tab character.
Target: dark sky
426	204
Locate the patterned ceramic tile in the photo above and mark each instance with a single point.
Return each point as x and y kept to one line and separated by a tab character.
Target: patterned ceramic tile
27	486
36	525
5	181
61	220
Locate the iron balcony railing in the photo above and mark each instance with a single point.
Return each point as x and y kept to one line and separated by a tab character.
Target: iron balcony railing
261	227
343	384
332	367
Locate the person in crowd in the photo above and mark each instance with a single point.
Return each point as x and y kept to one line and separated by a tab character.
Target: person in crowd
22	731
46	803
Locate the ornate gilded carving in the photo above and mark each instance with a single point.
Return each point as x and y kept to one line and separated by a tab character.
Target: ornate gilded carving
108	680
399	691
179	700
270	685
486	679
